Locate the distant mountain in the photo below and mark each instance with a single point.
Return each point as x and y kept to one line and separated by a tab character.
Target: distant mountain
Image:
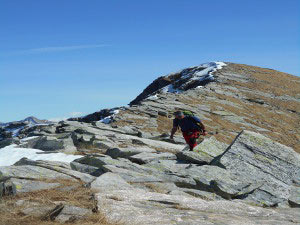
12	129
34	120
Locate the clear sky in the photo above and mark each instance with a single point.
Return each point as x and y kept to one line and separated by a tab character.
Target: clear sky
60	58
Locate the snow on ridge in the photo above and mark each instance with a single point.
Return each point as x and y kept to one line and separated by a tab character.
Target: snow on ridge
170	88
202	72
152	97
108	119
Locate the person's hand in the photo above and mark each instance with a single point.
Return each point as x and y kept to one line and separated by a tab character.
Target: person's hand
204	133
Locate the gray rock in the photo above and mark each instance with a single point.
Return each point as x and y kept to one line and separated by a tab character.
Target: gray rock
110	181
156	208
203	153
25	161
71	213
259	159
48	143
29	142
133	176
7	188
129	130
32	172
98	161
160	187
222	182
146	157
137	142
162	113
83	168
102	162
201	194
103	144
193	157
58	167
23	185
294	199
211	147
7	141
127	152
37	211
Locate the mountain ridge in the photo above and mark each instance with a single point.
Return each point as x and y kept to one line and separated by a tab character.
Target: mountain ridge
240	97
232	98
123	157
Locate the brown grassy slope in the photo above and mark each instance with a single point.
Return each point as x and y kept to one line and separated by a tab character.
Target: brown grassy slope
280	113
276	106
279	116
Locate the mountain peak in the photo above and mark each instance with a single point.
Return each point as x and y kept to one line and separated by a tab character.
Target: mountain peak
183	80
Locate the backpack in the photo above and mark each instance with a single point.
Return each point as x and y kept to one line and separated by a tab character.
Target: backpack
190	115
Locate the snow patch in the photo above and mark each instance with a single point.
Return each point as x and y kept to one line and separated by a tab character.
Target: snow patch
170	88
15	131
28	138
108	119
11	154
202	73
152	97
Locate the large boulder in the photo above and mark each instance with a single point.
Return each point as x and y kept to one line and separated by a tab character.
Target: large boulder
137	206
70	213
7	187
203	153
32	172
221	182
83	168
294	198
59	167
146	157
127	152
110	181
24	185
49	143
8	141
256	158
133	177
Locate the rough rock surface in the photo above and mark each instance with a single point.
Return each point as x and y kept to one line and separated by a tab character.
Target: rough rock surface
137	206
241	97
141	176
259	159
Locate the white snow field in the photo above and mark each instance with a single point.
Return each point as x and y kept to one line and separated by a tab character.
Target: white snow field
11	154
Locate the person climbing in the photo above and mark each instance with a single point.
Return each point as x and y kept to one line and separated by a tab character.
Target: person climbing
191	127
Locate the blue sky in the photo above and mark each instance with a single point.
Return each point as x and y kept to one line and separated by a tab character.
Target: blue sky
62	57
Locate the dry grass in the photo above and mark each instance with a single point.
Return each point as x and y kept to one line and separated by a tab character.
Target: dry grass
155	188
180	207
268	80
164	123
280	117
80	196
84	148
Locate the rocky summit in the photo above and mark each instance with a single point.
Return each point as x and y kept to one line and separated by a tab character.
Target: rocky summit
119	166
